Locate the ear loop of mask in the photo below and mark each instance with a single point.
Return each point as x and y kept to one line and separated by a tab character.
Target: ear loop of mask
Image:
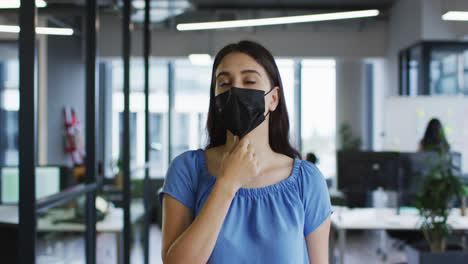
266	95
269	91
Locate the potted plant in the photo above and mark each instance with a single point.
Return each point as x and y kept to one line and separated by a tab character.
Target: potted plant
118	170
439	186
463	200
348	141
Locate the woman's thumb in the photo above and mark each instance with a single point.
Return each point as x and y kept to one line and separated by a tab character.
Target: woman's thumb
236	142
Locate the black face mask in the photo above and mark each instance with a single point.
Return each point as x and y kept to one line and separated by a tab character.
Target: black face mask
241	110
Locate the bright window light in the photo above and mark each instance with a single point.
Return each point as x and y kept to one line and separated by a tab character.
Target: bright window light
278	20
39	30
200	59
7	4
11	99
456	16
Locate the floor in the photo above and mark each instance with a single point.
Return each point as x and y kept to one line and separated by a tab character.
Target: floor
362	247
69	249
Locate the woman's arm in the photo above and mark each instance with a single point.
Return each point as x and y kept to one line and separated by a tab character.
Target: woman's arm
420	146
317	243
185	241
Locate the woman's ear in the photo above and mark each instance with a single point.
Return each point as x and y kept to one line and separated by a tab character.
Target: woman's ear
274	99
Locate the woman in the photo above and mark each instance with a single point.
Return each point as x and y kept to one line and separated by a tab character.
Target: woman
434	138
246	198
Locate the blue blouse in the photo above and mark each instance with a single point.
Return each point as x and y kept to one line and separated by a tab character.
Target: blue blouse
263	225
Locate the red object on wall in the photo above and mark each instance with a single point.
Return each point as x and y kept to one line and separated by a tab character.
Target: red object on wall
73	136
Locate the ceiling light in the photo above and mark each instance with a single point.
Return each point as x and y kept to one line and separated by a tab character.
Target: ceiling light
9	29
277	20
39	30
54	31
162	4
6	4
456	16
200	59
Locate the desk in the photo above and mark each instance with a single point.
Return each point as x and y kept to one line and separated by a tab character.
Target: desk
382	219
112	222
9	214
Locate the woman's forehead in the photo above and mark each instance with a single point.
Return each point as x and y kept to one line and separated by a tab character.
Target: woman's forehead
239	62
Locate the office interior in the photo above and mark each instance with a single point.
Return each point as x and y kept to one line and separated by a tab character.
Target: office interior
119	90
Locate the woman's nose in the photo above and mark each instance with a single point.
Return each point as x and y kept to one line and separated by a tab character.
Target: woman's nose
236	82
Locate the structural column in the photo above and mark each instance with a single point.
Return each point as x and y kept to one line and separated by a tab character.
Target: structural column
351	104
91	129
27	133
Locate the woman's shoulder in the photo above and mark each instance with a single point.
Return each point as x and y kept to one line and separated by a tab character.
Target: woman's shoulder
309	175
188	159
308	167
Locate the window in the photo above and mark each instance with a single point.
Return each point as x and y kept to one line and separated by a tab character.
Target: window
318	101
190	108
192	94
286	69
413	71
9	107
448	71
157	121
158	107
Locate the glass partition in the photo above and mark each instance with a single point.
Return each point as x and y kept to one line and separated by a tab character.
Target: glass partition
318	95
61	233
9	103
449	72
158	106
434	68
192	94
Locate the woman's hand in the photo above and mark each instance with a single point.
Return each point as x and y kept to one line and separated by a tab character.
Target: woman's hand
240	166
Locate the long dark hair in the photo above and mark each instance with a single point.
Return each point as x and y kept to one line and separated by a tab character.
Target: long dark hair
279	120
434	137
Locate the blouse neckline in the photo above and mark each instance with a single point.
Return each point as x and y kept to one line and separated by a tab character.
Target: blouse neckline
285	183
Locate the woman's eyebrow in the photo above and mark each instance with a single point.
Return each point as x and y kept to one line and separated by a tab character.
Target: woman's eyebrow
242	72
251	71
222	73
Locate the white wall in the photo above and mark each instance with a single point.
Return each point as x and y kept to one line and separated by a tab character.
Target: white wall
404	29
404	118
412	21
350	96
434	28
407	118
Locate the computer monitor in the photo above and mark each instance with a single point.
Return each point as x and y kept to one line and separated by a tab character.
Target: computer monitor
47	183
367	170
10	185
360	172
415	165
